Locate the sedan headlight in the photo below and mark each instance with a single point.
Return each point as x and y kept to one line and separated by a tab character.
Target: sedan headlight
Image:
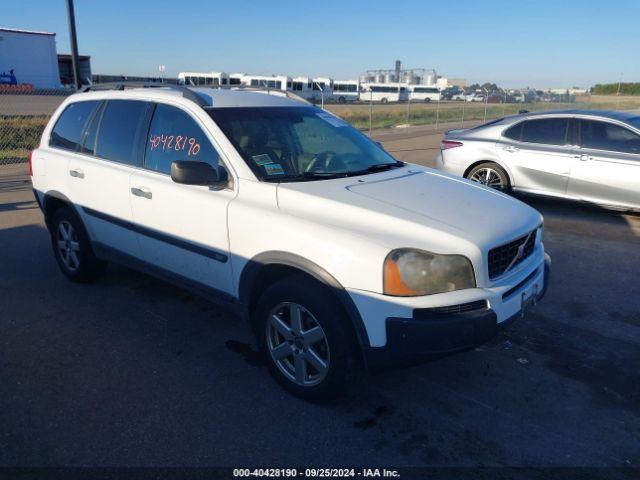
409	272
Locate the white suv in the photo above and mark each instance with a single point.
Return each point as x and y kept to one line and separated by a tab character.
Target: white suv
341	258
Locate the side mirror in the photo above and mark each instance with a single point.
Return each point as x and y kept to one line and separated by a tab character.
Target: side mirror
198	173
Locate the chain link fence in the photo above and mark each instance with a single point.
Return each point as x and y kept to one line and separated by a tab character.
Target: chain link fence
24	114
450	114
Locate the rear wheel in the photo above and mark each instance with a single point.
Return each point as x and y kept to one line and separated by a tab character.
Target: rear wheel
342	100
384	100
72	248
306	340
492	175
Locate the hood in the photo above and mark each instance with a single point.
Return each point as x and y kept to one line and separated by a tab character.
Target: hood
413	207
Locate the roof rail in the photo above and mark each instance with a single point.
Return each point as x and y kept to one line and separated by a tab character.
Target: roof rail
268	90
186	92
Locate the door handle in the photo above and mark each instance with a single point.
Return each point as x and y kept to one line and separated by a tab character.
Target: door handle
583	157
510	148
76	173
141	192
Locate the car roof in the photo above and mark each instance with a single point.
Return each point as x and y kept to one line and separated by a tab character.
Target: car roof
203	96
611	114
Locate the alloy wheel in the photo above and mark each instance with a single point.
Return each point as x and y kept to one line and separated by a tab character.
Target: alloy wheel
297	344
68	246
489	177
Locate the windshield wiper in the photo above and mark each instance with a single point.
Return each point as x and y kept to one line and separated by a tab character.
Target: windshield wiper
379	167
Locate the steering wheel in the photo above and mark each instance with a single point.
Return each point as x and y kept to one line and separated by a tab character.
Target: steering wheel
326	161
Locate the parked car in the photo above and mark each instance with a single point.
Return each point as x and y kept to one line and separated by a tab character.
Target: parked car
592	156
338	256
450	92
475	97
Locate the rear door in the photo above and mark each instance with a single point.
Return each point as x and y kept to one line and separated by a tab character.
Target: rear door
182	229
606	167
538	153
101	171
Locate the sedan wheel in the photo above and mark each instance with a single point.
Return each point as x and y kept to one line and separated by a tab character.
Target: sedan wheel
298	344
489	177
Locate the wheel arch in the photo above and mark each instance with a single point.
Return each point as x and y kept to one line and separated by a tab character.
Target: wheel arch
488	160
52	201
267	267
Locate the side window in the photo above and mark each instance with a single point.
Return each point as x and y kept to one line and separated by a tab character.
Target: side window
174	135
120	127
549	131
91	133
515	132
67	133
608	136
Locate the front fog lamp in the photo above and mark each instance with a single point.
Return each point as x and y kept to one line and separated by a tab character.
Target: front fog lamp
409	272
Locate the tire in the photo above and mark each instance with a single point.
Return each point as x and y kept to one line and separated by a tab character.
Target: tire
286	350
427	100
342	100
384	100
72	248
492	175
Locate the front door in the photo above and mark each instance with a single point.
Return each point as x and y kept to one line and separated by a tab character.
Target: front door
606	167
182	229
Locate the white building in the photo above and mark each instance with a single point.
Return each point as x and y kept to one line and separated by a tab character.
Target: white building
31	55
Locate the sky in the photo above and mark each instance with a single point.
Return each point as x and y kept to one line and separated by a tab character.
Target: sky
516	43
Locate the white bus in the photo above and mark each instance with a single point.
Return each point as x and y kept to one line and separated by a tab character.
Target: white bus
346	90
202	79
276	82
424	93
383	92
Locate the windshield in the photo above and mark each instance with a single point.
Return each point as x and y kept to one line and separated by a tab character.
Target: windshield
299	143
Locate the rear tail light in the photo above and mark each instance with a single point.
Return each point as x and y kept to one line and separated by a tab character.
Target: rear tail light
447	144
31	163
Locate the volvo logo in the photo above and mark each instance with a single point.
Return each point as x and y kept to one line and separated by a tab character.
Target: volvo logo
520	253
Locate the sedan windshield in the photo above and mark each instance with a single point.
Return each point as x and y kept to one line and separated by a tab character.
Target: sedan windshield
299	143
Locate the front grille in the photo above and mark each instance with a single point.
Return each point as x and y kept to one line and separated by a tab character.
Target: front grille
452	309
507	256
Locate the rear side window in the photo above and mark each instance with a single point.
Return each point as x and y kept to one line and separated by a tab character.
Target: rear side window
174	135
515	132
608	136
549	131
120	126
67	133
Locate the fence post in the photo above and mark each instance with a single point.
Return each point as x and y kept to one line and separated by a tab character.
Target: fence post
486	102
438	111
408	108
463	103
370	110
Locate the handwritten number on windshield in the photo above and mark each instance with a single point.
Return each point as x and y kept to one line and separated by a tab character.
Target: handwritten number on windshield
177	143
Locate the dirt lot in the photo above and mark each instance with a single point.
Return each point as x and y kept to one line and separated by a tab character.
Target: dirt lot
132	371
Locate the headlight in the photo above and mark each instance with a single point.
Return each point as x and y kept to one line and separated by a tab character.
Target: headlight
409	272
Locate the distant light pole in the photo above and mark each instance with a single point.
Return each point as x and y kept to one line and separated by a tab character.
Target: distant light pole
161	69
75	61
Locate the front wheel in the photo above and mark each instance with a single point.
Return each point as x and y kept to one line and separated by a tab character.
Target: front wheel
490	174
306	340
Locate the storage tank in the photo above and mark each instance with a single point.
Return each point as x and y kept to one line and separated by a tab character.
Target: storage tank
389	78
380	78
430	79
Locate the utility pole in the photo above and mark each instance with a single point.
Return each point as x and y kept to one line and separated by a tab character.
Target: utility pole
75	62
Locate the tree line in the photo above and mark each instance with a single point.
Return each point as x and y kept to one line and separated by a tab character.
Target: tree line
628	88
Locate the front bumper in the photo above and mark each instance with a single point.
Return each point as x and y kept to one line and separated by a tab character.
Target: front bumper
432	332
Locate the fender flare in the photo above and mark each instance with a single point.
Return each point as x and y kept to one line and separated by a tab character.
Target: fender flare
253	267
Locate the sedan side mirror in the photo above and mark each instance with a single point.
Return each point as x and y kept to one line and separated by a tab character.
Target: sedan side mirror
189	172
